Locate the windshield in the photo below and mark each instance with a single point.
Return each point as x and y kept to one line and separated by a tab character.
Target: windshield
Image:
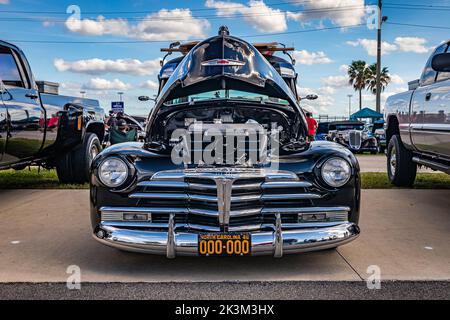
228	94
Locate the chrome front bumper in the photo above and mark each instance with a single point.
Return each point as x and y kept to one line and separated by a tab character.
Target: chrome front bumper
277	243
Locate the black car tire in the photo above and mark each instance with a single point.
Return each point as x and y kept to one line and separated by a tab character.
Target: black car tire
74	166
82	157
64	168
401	169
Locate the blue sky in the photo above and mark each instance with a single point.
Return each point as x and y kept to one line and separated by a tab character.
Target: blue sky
103	69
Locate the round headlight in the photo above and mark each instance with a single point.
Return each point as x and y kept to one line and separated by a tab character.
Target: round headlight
113	172
336	172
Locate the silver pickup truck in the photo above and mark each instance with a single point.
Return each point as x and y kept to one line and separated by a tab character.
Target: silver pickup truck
40	127
418	122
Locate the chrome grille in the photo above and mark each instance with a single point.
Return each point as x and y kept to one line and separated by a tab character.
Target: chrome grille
225	200
354	139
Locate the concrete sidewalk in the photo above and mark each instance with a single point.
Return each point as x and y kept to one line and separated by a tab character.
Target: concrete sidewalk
404	232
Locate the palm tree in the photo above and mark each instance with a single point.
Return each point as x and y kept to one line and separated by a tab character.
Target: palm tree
358	74
385	79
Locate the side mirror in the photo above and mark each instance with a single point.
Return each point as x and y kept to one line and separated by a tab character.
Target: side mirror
441	62
144	98
311	97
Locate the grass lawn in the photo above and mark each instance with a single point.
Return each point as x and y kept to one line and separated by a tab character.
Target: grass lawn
47	179
379	180
34	179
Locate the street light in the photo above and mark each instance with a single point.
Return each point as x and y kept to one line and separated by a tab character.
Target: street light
381	20
83	94
349	105
120	95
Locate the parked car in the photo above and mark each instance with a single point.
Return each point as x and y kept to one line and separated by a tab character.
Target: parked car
379	133
305	199
40	127
354	135
322	131
418	122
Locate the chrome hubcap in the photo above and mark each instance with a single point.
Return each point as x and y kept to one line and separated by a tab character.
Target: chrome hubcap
393	161
94	152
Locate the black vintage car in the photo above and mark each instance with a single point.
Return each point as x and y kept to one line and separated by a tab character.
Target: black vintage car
354	136
157	197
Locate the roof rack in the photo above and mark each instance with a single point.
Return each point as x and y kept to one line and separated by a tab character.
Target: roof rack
266	48
262	47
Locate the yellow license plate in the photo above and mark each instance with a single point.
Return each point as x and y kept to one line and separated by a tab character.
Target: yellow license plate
224	244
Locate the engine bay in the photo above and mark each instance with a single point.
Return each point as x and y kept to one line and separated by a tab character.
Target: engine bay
262	122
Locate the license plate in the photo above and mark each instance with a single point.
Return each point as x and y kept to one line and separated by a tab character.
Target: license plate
224	244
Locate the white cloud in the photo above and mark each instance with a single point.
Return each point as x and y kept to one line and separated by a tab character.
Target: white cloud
256	13
404	44
100	66
336	81
343	68
327	90
309	58
322	104
371	46
162	25
344	13
4	1
396	79
149	84
103	84
411	44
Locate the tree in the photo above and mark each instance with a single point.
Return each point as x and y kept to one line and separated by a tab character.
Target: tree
359	73
385	79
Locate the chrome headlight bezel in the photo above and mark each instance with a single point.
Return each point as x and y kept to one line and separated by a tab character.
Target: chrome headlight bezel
125	166
334	183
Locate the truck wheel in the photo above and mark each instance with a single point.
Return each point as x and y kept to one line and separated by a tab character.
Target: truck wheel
82	157
401	169
64	168
74	166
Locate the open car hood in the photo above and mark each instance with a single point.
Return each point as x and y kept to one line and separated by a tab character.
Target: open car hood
225	62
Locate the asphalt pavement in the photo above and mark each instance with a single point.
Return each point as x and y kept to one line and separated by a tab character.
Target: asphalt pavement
260	291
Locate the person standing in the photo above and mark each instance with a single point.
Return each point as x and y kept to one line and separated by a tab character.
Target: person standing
312	126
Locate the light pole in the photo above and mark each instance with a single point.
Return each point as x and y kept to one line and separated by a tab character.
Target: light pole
83	94
349	105
381	19
120	95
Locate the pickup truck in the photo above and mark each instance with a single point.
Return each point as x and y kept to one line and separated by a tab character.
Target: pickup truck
418	122
40	127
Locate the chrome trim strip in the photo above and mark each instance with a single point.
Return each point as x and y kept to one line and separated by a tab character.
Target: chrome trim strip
278	238
143	210
305	210
286	184
162	196
163	184
230	173
296	196
253	186
171	238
